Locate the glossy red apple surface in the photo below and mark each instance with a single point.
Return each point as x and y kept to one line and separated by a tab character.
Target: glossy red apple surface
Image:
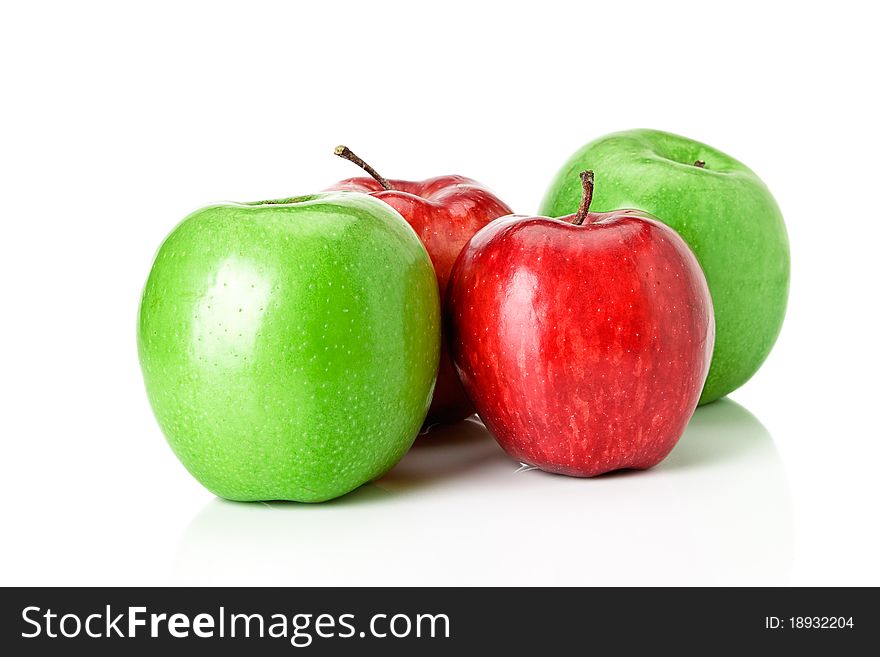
445	212
584	341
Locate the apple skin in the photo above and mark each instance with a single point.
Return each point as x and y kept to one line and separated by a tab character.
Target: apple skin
723	211
445	212
290	348
583	347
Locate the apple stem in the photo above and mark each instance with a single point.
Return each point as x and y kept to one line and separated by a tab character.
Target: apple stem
700	164
587	179
346	154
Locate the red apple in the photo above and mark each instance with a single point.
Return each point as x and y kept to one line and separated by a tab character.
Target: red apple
584	342
445	212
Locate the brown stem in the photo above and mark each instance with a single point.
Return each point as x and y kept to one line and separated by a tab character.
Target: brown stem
586	198
345	153
700	164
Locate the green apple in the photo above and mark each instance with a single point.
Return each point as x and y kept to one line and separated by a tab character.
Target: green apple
722	210
290	348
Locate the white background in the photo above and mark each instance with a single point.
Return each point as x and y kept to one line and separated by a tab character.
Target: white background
117	122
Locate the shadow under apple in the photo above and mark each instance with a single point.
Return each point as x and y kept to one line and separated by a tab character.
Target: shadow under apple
444	454
458	511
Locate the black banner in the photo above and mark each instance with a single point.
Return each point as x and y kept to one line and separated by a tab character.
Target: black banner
114	621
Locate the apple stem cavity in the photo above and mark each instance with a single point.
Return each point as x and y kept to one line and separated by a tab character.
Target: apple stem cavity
700	164
587	180
346	154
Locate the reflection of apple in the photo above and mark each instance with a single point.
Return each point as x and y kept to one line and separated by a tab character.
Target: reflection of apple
689	521
721	209
289	348
445	212
583	342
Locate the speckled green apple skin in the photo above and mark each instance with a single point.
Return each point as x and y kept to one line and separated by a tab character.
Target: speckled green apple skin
290	348
723	211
